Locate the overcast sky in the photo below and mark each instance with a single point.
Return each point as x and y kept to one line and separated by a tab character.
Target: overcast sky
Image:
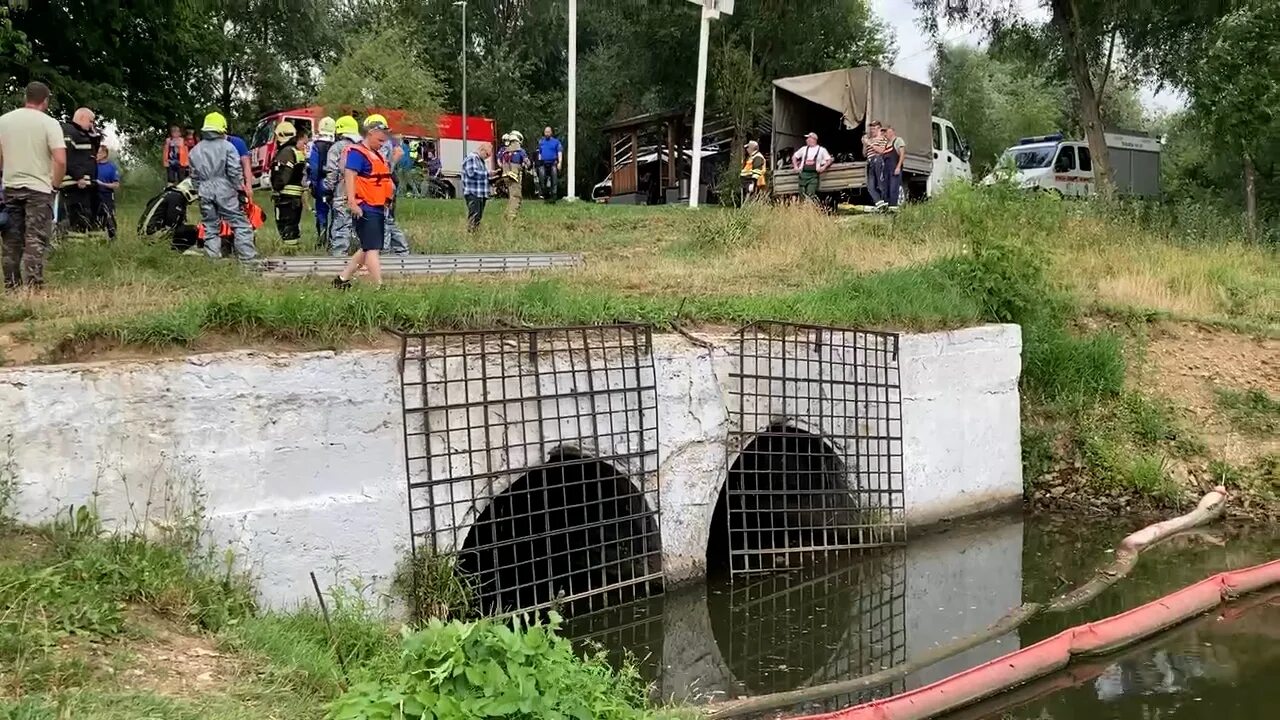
915	48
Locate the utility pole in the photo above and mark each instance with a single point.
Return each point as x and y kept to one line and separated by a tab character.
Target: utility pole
463	4
710	9
573	101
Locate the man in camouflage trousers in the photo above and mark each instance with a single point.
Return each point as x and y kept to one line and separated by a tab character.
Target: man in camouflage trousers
34	155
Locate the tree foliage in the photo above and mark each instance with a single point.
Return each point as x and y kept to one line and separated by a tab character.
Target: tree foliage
376	70
994	102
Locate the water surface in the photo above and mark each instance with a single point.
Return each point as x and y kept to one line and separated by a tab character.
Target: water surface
844	618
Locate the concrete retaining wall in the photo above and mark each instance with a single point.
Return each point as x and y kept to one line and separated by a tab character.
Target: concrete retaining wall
299	457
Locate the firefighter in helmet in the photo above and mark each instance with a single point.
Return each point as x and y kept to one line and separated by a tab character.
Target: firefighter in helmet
218	178
347	132
288	173
315	175
513	160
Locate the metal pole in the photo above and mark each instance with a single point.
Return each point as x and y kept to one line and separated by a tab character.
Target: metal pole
464	81
573	101
695	179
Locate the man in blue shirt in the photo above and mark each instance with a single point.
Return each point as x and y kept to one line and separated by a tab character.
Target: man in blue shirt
550	152
246	165
108	183
475	183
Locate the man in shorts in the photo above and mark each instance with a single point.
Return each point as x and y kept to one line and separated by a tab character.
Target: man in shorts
370	188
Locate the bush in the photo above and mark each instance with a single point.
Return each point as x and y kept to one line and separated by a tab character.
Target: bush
491	669
1058	367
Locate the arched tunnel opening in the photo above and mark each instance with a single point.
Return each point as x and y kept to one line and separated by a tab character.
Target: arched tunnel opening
786	498
574	532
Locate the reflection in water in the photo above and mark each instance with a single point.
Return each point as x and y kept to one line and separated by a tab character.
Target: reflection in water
1219	667
764	634
826	622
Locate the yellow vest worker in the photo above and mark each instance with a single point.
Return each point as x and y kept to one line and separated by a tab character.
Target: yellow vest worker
753	171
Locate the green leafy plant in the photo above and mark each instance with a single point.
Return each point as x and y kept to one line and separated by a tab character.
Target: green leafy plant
490	668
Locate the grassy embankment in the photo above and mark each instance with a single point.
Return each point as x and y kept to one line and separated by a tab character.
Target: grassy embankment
117	627
1106	297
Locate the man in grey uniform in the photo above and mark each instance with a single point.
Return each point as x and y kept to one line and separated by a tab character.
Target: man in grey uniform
218	177
394	153
348	133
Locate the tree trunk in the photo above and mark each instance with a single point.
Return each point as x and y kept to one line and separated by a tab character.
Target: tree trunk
1066	20
226	88
1250	197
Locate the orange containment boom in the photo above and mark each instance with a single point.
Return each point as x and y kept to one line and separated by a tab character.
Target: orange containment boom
1055	653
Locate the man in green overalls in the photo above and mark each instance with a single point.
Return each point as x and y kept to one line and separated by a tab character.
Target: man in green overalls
811	161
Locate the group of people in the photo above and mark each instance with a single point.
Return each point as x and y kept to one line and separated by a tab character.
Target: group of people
51	171
884	151
513	162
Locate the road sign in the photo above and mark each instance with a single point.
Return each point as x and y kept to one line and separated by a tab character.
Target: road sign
716	6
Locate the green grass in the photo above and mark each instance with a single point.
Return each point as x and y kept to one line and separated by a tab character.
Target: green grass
87	618
1252	411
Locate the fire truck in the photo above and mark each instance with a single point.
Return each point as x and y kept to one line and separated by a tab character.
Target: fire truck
445	138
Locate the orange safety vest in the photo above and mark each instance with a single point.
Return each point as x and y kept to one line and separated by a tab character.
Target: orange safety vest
749	171
183	159
257	216
377	188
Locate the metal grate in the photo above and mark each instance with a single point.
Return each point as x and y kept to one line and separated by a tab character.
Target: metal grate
828	621
817	428
532	460
302	266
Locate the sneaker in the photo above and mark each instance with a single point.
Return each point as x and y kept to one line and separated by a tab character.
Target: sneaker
881	204
340	284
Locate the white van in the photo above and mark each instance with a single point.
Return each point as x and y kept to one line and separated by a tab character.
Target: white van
950	157
1065	167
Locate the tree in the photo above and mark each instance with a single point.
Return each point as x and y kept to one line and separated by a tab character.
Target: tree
139	66
377	71
994	102
1152	36
267	54
1235	90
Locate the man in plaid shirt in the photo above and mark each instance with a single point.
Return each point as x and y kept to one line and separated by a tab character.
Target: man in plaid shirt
475	183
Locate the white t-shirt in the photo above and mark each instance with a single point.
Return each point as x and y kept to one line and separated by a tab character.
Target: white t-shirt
27	136
815	156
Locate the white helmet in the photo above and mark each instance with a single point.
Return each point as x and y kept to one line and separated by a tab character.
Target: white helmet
515	135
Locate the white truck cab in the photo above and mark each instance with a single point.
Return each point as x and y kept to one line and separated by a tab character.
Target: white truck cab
950	157
1050	163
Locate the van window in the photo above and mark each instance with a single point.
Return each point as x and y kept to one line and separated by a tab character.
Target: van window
1066	161
301	125
262	134
937	136
1086	160
953	142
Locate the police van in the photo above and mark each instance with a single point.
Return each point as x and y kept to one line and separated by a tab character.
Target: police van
1051	163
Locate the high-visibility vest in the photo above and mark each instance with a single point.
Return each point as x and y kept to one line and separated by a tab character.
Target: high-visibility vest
749	169
377	188
183	160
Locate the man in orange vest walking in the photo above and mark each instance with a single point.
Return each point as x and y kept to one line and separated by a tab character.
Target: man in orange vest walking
370	189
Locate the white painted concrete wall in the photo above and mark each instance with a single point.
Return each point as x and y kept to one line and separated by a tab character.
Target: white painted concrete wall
300	456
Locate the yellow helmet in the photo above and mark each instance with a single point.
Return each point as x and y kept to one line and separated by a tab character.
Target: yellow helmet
376	122
346	125
327	128
214	122
285	131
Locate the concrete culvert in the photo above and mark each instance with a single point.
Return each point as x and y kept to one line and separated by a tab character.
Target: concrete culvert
786	498
573	531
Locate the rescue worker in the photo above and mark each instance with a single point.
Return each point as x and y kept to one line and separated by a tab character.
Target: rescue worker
753	166
393	151
167	213
218	178
315	177
513	160
348	134
370	188
78	196
288	172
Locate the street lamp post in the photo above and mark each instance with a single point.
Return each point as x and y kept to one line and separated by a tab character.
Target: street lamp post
463	5
573	100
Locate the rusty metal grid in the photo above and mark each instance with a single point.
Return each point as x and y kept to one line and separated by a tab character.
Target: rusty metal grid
828	621
531	459
815	462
